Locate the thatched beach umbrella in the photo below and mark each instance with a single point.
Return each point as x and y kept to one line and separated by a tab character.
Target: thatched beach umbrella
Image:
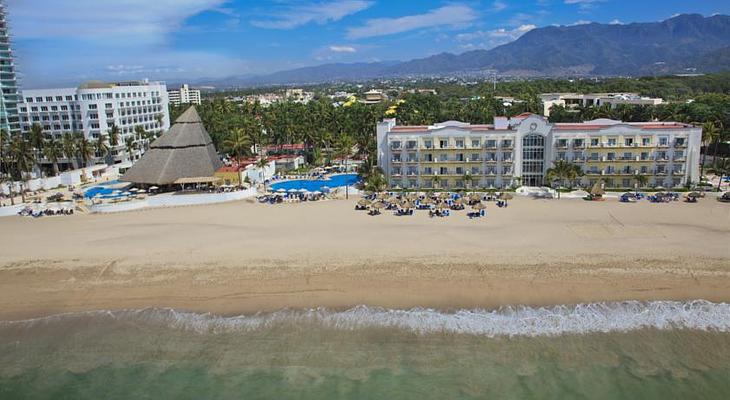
363	202
597	189
443	206
427	201
377	205
693	194
407	205
505	196
444	195
412	196
479	206
382	196
475	197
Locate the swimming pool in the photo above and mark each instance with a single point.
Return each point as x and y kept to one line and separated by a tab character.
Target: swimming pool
313	185
105	189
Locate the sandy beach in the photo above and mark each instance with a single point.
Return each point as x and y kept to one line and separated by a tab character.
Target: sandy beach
244	258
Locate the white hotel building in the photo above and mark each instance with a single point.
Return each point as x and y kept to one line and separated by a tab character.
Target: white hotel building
519	151
184	95
94	107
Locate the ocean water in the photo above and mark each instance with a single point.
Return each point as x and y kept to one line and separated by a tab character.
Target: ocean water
625	350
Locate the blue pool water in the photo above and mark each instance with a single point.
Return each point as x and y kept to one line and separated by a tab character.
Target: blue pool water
317	184
105	189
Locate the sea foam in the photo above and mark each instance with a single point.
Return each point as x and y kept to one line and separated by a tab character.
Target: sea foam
506	321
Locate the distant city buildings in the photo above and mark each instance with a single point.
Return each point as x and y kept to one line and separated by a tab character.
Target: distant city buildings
9	120
95	107
520	150
184	95
574	100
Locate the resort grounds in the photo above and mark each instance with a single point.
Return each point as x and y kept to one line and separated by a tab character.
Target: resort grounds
245	257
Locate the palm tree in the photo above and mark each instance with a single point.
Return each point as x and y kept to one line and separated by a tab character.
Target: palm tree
261	164
101	147
237	143
376	181
53	150
68	144
37	138
21	155
563	171
344	150
468	180
641	181
84	149
722	169
710	134
114	136
141	136
129	146
436	181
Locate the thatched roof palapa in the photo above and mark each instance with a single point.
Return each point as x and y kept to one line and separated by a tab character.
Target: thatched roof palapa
185	151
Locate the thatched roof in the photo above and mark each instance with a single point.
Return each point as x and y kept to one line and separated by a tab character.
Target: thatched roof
185	151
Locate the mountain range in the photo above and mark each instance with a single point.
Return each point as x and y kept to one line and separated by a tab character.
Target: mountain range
684	43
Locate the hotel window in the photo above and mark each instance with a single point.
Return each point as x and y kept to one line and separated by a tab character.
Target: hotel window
562	143
475	170
427	171
663	141
475	143
28	99
412	183
594	169
628	156
460	157
95	126
628	141
679	142
39	99
507	170
491	144
64	108
474	157
411	144
459	170
506	156
576	156
45	118
490	182
396	171
507	143
578	143
49	98
661	155
490	157
427	144
644	169
56	118
44	108
66	126
412	171
594	141
442	157
660	169
561	156
443	171
612	142
92	106
412	157
678	154
108	105
23	109
594	156
443	144
54	108
626	183
428	157
34	108
460	143
59	98
611	156
644	156
395	145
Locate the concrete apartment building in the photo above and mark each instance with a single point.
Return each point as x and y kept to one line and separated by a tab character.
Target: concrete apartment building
519	151
9	98
573	100
94	107
184	95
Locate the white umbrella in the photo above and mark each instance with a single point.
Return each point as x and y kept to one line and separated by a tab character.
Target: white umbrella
292	190
281	190
153	188
133	190
303	190
141	191
316	192
126	193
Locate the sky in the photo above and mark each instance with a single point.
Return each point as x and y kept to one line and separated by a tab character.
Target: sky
65	42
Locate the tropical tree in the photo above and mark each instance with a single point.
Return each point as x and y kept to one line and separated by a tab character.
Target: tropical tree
376	181
344	150
37	137
710	134
436	181
101	146
129	146
721	169
468	180
21	155
641	181
261	164
84	149
238	143
563	171
114	136
53	150
68	145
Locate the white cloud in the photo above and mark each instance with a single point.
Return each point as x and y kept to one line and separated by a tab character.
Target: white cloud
492	38
145	21
499	5
319	13
580	22
451	15
616	22
343	49
583	4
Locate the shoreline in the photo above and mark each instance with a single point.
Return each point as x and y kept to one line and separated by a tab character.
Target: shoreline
243	258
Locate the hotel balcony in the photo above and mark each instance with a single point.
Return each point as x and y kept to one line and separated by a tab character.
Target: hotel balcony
680	159
680	146
508	146
579	146
679	172
578	160
490	160
396	161
662	159
507	161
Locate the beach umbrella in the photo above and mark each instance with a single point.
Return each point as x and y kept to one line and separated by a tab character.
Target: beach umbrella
479	206
691	194
133	189
412	196
407	205
458	200
505	196
153	188
377	205
281	190
126	193
597	189
292	190
141	191
443	195
427	201
443	206
363	202
475	197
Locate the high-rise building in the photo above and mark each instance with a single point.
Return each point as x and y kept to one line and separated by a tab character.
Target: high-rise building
184	95
95	107
8	85
521	149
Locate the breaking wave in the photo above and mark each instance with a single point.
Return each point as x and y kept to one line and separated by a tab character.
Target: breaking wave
505	321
